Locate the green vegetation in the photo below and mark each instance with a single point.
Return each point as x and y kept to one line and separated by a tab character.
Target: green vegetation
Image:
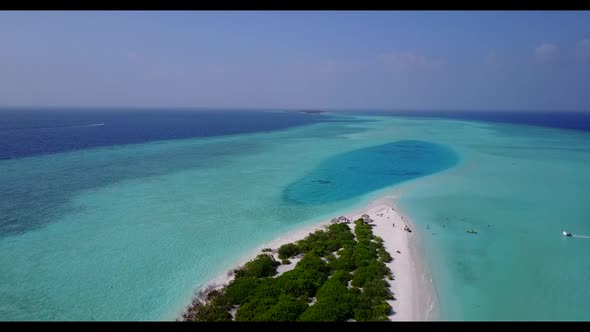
216	309
262	266
326	242
288	250
344	278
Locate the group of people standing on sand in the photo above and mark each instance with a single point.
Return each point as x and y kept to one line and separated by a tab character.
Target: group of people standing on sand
406	228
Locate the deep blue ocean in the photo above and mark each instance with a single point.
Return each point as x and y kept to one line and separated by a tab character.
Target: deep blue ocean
29	132
33	132
555	119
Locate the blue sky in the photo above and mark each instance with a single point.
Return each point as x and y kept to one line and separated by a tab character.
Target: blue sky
330	60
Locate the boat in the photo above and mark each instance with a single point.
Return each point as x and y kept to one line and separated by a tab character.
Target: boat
471	231
566	233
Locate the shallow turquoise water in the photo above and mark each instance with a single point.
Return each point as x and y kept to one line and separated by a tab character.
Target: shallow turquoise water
134	230
519	187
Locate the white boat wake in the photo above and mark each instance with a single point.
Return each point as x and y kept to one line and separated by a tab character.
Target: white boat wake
581	236
568	234
62	127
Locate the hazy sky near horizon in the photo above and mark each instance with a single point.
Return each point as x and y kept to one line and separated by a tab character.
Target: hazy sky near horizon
328	60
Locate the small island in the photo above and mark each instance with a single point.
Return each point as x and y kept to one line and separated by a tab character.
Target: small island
334	274
312	111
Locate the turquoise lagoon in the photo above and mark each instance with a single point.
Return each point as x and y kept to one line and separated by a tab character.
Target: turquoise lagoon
137	229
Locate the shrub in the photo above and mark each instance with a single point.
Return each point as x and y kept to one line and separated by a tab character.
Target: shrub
377	312
362	275
330	257
325	311
266	250
345	260
334	301
381	311
298	282
288	308
343	277
216	309
262	266
325	242
334	288
339	229
374	270
362	231
285	262
239	290
313	262
363	255
314	240
213	294
267	288
362	314
377	290
211	313
385	256
355	291
254	309
288	250
298	287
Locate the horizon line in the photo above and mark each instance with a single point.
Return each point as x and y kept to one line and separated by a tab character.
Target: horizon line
222	108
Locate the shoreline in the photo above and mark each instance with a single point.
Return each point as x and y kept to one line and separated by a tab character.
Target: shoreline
412	286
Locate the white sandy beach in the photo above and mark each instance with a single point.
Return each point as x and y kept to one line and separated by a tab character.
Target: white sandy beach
413	295
389	225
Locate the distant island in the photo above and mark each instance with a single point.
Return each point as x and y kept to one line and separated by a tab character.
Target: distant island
311	111
333	274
